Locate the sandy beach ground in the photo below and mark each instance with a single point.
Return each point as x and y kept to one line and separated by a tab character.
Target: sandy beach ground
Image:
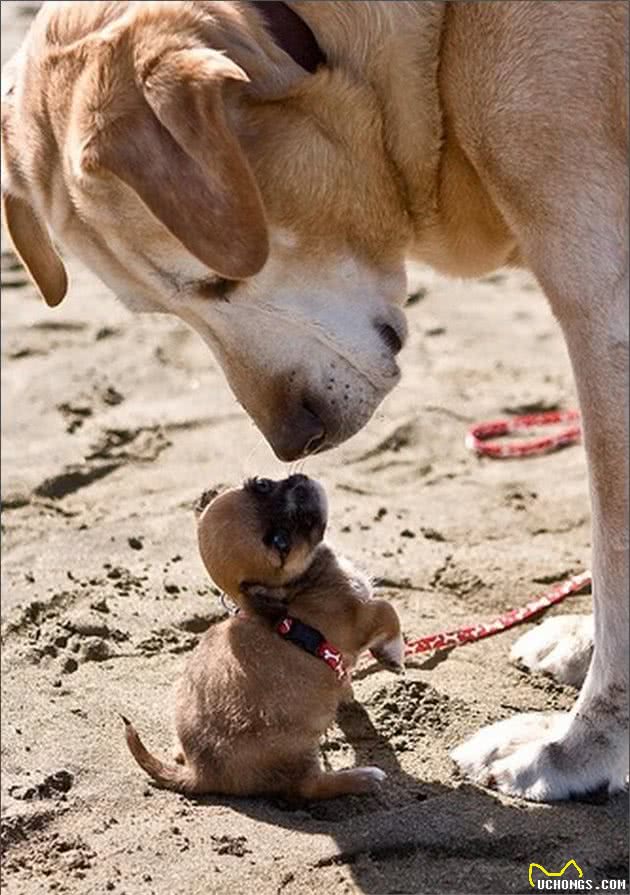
112	426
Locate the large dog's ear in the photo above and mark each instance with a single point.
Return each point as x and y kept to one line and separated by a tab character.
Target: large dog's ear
172	145
34	248
28	233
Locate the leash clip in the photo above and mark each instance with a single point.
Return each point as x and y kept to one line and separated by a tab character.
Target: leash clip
229	605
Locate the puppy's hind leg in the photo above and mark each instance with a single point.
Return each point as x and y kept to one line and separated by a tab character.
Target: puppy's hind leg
319	784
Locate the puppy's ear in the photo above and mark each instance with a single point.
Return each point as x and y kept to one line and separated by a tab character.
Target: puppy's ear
203	500
169	141
34	248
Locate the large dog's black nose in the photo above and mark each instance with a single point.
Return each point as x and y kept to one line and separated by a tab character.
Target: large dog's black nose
392	329
303	433
391	337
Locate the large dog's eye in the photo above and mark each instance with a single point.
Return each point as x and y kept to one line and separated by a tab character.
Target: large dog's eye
216	287
280	540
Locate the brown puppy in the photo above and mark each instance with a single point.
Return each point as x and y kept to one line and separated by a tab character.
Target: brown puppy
252	705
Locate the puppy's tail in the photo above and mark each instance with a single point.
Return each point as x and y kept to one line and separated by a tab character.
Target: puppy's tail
179	778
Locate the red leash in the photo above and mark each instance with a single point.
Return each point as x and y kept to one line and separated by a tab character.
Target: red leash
469	633
477	441
478	435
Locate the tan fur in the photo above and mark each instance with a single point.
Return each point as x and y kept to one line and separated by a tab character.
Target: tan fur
465	135
251	706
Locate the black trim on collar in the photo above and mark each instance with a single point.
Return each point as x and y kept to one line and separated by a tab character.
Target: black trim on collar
292	34
312	641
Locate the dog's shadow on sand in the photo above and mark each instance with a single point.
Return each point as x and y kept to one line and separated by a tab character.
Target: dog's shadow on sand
415	832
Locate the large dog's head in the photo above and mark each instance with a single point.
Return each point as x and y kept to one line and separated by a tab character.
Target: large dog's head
199	170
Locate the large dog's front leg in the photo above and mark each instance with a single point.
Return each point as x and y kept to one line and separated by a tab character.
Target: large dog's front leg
562	755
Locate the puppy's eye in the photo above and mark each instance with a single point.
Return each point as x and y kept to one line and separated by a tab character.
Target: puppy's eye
280	540
262	486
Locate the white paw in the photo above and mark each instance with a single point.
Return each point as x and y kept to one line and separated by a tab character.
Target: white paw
372	777
544	757
561	647
391	653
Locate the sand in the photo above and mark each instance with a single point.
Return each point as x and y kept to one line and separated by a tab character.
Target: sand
113	424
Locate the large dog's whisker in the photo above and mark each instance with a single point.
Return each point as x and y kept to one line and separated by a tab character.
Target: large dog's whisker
246	463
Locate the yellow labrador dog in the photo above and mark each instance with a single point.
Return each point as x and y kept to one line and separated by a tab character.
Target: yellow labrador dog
263	170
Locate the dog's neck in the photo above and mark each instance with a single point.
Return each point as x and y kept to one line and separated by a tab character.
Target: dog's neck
398	48
324	597
395	47
327	570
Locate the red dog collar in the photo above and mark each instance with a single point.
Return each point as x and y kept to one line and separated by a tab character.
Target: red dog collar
313	642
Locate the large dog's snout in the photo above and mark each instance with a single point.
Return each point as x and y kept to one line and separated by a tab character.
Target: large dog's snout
301	434
318	385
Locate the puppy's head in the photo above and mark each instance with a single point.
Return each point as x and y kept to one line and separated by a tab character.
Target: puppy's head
200	171
265	532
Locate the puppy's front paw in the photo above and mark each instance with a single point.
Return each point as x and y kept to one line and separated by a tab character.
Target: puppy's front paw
390	654
268	602
387	664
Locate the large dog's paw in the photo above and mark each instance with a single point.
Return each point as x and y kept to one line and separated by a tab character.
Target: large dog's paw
544	758
561	647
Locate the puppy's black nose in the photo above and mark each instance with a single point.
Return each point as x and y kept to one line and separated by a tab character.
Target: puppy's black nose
305	504
302	434
298	482
299	486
